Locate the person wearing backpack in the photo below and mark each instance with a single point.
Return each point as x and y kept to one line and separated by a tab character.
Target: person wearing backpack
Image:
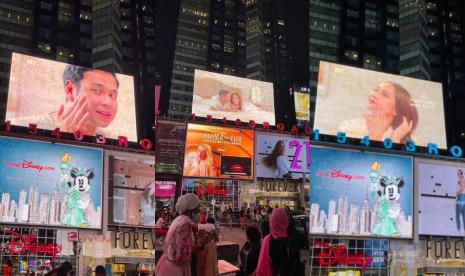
279	254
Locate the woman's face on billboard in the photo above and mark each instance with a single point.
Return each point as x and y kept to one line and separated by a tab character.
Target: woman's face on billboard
383	97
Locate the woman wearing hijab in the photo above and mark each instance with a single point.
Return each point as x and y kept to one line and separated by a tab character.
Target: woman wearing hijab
179	244
279	254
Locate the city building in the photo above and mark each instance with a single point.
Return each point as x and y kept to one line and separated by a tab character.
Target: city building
364	34
420	39
432	48
267	51
210	36
116	36
242	38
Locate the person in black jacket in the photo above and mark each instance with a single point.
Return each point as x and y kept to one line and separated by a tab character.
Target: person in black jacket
248	256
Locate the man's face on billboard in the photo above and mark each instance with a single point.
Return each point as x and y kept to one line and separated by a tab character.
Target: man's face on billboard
101	91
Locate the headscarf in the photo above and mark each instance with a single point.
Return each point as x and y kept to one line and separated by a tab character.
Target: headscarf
279	223
278	229
187	202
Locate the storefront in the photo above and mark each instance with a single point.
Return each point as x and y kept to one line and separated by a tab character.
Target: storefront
276	192
119	252
126	242
37	249
215	193
350	257
429	256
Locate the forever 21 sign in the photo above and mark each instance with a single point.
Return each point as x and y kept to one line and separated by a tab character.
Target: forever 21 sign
446	249
133	240
277	186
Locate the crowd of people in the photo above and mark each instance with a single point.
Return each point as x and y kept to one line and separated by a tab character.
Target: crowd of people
189	248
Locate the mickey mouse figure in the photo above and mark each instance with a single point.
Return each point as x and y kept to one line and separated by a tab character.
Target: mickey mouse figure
388	207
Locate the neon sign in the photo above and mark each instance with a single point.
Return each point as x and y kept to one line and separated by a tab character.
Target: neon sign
27	244
330	256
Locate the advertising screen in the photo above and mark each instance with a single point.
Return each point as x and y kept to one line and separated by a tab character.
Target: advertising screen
302	108
169	147
361	102
441	203
221	96
165	188
278	156
354	193
50	184
133	190
53	94
218	152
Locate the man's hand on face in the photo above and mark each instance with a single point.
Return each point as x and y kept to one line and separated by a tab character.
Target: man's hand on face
73	116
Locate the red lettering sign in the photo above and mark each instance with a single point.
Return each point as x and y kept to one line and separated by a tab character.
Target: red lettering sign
209	190
334	173
28	164
330	256
27	244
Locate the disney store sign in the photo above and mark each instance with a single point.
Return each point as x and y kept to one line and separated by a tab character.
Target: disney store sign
20	244
331	256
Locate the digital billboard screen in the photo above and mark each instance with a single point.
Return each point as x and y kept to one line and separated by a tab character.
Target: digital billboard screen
354	193
50	184
165	188
441	202
218	152
278	156
169	147
363	103
221	96
133	190
54	94
302	107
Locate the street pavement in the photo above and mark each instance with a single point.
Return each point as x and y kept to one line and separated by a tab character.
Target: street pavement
237	235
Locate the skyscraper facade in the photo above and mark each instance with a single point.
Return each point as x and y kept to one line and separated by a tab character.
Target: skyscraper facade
357	33
267	53
432	48
210	36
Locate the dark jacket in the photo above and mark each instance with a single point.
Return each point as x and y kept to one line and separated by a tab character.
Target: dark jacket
249	258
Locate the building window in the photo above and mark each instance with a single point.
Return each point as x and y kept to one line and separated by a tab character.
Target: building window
44	47
352	55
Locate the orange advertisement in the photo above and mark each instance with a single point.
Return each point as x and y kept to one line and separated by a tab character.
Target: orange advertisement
218	152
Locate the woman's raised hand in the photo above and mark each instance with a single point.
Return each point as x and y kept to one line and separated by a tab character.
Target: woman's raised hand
378	123
402	130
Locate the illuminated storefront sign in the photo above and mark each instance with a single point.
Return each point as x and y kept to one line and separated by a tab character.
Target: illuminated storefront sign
20	244
330	256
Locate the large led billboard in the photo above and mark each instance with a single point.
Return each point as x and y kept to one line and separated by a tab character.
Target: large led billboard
361	102
221	96
169	147
133	189
218	152
50	184
54	94
441	203
302	106
280	156
355	193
